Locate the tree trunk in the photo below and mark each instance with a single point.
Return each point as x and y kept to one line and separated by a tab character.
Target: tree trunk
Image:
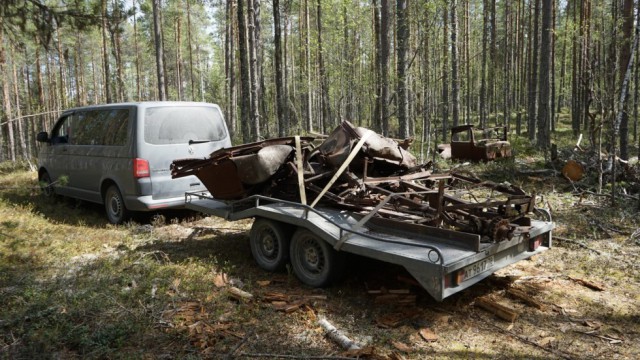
19	122
376	122
191	65
624	91
178	42
402	33
308	66
533	80
137	54
324	88
61	71
544	100
280	108
105	51
483	69
6	103
455	83
253	68
493	98
157	36
245	77
115	32
625	55
385	53
230	69
445	74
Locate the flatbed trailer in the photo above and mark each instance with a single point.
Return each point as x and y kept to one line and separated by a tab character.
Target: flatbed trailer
315	240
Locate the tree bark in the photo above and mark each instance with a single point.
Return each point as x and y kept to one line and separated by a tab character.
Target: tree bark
6	103
455	83
19	123
189	40
253	68
533	80
157	35
137	52
61	71
230	69
402	33
445	75
280	108
625	55
115	30
483	69
178	41
544	100
385	51
308	66
105	51
245	77
624	91
326	105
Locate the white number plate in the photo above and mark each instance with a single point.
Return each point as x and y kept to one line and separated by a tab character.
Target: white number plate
477	268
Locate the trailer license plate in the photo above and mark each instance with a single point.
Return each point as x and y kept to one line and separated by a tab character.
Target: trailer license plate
477	268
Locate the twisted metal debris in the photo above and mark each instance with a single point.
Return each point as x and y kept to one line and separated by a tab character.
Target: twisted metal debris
365	173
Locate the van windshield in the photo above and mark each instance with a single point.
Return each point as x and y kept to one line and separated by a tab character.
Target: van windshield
174	125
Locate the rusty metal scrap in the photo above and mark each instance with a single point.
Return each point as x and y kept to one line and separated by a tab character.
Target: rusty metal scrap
491	144
363	172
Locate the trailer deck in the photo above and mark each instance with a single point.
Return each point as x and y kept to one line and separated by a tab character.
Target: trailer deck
443	261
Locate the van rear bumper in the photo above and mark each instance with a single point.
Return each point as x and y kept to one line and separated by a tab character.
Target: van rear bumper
147	203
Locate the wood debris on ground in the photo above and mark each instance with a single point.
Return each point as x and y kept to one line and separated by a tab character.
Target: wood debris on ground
393	296
289	303
588	284
492	305
192	318
428	335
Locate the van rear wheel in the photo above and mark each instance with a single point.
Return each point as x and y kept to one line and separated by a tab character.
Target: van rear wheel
117	212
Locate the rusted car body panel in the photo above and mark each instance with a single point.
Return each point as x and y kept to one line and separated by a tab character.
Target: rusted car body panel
465	146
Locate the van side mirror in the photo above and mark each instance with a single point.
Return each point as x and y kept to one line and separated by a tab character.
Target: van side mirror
42	137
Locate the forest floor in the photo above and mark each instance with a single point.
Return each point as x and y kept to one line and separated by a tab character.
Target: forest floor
74	286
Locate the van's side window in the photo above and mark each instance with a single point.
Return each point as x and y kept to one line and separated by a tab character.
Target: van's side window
117	126
101	127
60	134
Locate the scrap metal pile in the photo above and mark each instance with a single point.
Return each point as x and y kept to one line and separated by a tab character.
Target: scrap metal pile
363	172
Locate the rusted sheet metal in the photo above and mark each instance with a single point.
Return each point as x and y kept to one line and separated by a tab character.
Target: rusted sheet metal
363	172
474	144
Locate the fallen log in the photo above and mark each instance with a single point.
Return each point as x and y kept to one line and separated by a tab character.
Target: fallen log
238	294
525	298
337	336
499	310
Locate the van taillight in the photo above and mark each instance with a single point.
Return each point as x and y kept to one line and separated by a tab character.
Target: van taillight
140	168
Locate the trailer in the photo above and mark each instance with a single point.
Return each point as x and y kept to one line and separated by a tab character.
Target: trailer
316	239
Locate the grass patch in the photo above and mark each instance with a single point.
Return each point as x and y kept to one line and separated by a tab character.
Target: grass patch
74	286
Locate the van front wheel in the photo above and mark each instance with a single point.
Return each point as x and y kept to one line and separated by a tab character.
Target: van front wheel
114	206
46	184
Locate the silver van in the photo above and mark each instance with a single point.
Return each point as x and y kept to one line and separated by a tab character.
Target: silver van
119	154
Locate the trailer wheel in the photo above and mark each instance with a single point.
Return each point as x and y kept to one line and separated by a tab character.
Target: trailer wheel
313	260
269	242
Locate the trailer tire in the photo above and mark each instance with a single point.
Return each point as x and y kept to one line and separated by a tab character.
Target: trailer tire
269	242
313	260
